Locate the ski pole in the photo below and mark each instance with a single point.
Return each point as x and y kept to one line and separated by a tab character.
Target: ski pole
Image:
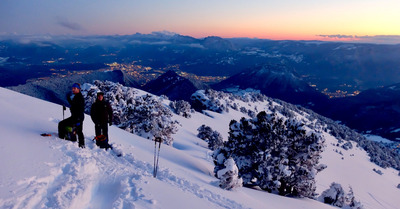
154	164
158	157
64	108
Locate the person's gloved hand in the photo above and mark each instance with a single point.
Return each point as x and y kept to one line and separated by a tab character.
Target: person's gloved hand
70	96
110	123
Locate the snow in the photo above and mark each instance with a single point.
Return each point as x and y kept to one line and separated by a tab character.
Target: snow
47	172
377	138
354	169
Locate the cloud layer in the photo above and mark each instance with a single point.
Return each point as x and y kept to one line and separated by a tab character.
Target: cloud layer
64	22
380	39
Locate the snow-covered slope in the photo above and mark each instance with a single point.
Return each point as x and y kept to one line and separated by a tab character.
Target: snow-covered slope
47	172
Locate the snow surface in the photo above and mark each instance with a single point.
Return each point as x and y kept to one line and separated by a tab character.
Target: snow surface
47	172
377	138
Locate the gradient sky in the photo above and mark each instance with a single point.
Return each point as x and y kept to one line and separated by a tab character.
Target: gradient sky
271	19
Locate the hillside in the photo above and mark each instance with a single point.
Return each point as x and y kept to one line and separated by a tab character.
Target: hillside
276	81
46	172
54	89
172	85
382	104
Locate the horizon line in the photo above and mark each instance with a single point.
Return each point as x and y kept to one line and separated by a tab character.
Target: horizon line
361	39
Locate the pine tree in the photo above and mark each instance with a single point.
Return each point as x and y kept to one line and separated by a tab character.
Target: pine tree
213	138
181	108
275	154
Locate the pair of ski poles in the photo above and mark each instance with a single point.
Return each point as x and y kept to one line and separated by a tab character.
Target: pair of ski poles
156	154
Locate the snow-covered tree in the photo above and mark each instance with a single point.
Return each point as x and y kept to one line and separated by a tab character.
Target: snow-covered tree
229	176
213	138
275	154
181	108
351	202
336	196
149	118
209	100
144	115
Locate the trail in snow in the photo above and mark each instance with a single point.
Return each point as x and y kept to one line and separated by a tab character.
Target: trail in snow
96	178
47	172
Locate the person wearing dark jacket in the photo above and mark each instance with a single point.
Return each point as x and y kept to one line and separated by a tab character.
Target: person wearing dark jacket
101	114
77	108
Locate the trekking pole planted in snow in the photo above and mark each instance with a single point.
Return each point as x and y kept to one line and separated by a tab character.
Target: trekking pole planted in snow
156	154
64	108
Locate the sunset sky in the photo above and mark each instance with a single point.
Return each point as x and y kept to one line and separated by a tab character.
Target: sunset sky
362	20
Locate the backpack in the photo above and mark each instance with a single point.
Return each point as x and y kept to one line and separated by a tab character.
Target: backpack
71	133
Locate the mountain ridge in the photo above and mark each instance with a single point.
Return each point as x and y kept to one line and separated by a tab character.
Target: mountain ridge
277	81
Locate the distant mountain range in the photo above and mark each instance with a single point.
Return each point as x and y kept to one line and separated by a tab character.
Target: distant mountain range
328	65
279	69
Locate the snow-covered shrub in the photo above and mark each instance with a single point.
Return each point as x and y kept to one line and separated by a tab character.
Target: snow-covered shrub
351	202
321	167
251	113
348	145
336	196
243	110
149	118
213	138
275	154
204	132
378	171
219	101
143	115
209	100
229	176
181	108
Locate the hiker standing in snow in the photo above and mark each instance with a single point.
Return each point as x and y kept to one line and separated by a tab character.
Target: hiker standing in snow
102	115
77	103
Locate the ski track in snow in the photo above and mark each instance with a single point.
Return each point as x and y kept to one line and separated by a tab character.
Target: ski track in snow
83	182
379	202
200	192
